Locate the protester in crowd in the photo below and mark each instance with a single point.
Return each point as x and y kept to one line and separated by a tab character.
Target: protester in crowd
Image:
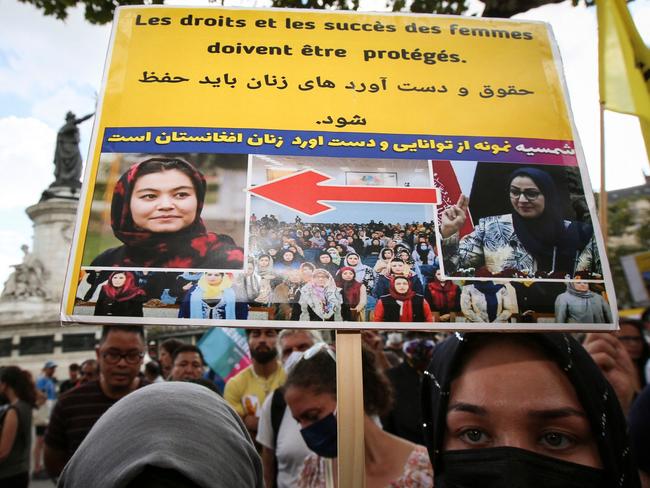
120	353
156	213
578	304
88	371
320	300
73	378
17	386
211	298
393	348
47	386
166	355
402	304
188	363
353	294
405	417
443	296
203	443
311	395
632	338
247	390
283	449
639	422
487	301
152	372
523	410
533	238
120	296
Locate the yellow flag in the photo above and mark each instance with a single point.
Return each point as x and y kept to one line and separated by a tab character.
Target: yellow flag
624	64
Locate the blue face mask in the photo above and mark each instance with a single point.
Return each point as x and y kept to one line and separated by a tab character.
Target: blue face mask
320	436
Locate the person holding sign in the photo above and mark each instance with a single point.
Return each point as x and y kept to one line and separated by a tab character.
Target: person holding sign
534	238
156	213
523	410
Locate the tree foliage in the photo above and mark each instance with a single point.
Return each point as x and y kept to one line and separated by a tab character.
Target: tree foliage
101	11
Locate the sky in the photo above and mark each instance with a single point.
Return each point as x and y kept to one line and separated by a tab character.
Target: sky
48	67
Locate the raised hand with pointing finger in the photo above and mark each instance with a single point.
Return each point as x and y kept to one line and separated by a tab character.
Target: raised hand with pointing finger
453	218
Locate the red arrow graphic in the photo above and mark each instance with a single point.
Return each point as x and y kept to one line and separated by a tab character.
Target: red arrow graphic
304	192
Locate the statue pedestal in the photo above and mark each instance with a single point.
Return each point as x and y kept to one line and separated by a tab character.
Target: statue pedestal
54	221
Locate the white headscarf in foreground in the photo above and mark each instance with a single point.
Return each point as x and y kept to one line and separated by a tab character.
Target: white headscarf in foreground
176	426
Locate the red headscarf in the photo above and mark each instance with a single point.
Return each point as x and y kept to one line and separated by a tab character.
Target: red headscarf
351	289
406	298
125	292
186	248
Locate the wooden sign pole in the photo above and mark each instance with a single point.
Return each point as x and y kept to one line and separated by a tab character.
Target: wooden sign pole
350	414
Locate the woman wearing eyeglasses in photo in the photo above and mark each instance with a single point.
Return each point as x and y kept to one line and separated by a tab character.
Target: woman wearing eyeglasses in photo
533	238
120	296
310	393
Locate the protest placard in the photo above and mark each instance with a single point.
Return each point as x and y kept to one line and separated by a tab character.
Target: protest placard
297	166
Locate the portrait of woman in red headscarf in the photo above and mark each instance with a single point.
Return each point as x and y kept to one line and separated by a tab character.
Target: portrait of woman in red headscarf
156	214
120	296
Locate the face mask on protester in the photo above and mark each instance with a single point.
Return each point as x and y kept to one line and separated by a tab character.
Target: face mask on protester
320	436
511	467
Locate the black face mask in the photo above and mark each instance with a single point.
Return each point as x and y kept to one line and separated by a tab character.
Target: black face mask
320	436
510	467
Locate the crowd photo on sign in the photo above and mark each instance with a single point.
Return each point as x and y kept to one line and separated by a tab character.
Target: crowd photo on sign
443	410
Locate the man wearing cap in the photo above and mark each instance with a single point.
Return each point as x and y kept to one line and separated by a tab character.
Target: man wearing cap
47	387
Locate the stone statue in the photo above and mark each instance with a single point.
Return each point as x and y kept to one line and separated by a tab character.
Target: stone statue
28	278
67	157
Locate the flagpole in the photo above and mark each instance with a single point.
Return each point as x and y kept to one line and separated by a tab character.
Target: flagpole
603	193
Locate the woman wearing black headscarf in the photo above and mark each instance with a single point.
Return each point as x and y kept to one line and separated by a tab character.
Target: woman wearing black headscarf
156	213
533	238
523	410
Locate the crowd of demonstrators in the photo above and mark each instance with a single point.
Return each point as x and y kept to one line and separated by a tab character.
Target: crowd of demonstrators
475	394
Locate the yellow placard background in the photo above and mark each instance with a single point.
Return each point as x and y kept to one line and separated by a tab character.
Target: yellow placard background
182	50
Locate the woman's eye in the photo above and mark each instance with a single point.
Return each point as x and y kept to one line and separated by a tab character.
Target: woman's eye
148	196
474	436
556	440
